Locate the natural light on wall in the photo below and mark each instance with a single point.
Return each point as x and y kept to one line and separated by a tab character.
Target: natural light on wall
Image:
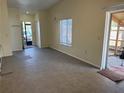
66	32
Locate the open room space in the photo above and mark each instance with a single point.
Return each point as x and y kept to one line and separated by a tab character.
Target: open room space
116	42
61	46
49	71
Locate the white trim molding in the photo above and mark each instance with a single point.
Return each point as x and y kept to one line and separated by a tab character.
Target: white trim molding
109	11
86	61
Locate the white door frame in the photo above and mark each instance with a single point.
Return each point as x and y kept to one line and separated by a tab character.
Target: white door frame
109	12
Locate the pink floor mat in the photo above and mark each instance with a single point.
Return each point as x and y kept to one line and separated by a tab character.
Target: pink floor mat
116	74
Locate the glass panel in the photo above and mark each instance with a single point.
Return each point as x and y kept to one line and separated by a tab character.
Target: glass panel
113	35
69	38
121	28
121	35
29	32
114	26
66	31
112	43
119	43
63	31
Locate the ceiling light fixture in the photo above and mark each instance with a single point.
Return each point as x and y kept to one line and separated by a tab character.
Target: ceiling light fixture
27	12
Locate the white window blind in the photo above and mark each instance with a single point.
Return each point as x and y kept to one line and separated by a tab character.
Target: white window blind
66	32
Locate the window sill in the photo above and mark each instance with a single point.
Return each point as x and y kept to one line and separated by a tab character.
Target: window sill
68	45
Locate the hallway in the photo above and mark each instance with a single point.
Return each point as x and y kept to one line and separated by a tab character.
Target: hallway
48	71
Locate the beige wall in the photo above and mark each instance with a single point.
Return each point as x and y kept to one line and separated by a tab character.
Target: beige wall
15	29
4	29
37	29
44	29
88	27
15	19
41	22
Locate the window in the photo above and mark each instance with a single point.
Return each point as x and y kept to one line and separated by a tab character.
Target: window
66	32
114	26
113	34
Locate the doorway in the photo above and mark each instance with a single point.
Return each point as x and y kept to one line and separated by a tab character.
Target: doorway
113	43
116	40
27	34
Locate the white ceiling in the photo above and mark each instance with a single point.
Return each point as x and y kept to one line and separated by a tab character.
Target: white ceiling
31	4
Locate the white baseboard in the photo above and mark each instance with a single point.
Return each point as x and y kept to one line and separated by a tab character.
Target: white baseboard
77	58
17	50
7	55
